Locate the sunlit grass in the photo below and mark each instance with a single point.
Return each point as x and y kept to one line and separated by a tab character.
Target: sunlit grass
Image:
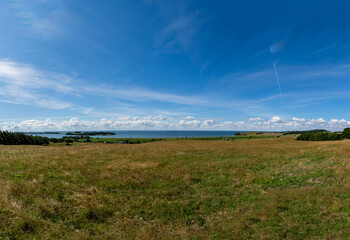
268	188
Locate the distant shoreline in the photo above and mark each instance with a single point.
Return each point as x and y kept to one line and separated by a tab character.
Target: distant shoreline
139	134
90	133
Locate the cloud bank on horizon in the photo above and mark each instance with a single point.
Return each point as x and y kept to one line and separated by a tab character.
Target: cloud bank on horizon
174	65
187	123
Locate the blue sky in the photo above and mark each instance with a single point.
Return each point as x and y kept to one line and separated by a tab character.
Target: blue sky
233	65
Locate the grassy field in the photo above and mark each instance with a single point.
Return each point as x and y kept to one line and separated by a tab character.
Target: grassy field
271	188
147	140
120	140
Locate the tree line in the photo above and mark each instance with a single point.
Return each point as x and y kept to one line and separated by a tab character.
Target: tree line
324	136
10	138
307	131
19	138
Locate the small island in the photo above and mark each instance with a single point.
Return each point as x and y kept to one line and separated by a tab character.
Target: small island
39	132
90	133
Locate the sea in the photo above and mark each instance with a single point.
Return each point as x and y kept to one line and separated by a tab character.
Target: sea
150	134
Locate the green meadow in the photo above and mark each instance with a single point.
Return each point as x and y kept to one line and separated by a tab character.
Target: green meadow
249	135
265	187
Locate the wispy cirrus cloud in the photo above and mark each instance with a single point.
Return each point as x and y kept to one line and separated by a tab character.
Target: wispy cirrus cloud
48	26
178	35
25	84
22	84
299	77
142	95
277	47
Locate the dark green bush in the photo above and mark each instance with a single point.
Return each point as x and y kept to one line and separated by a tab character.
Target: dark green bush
319	136
346	133
69	140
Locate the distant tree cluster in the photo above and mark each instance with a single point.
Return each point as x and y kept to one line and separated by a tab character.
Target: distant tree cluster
346	133
10	138
324	136
319	136
69	140
301	132
56	140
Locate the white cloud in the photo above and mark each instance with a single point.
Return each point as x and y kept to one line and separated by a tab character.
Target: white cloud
208	123
28	125
319	121
298	119
189	124
257	119
155	122
275	119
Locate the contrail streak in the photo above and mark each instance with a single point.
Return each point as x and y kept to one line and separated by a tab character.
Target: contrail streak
278	81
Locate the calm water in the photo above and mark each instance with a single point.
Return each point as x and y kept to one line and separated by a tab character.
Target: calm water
154	134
